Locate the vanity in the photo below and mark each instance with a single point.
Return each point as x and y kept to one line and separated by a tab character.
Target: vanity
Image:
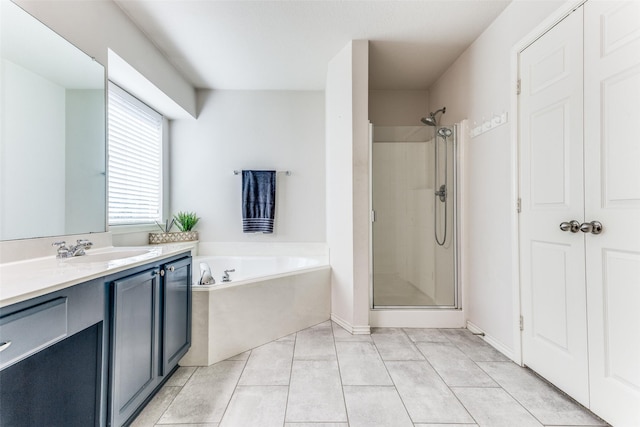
84	340
94	350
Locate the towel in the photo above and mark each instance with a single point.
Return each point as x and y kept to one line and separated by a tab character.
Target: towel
258	201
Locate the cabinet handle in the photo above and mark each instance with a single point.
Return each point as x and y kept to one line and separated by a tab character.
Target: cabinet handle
5	345
155	273
172	268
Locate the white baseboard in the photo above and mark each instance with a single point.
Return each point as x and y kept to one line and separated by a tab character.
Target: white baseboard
352	329
492	341
436	318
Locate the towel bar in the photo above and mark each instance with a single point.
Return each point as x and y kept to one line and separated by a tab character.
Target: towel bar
287	173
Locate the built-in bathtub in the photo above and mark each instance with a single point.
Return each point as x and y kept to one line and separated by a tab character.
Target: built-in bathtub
268	297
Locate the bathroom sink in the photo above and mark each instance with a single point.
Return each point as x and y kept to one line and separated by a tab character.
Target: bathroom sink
107	256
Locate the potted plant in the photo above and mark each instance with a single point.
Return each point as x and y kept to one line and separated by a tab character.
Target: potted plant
185	221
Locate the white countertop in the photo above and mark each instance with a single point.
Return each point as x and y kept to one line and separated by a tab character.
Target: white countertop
22	280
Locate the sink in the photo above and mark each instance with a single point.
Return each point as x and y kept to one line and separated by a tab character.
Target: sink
107	256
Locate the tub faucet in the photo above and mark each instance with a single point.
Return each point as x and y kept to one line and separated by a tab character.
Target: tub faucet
225	277
205	275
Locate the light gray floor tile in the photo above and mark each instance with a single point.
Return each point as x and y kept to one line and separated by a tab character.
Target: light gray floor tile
316	425
541	399
340	334
290	337
269	364
455	368
315	343
256	406
154	409
394	344
426	397
242	356
180	376
474	347
375	406
425	335
205	396
315	393
360	364
493	407
189	425
443	425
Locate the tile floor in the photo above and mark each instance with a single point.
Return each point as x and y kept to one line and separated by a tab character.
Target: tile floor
325	377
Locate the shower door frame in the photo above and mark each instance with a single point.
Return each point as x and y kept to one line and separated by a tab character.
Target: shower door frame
455	127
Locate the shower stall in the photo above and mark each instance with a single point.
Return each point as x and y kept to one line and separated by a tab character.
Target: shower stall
414	202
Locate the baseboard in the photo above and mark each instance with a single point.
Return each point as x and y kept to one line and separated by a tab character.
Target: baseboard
353	330
491	341
425	318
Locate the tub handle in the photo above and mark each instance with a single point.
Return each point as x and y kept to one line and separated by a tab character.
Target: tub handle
225	277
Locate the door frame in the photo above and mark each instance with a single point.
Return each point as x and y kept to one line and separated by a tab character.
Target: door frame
552	20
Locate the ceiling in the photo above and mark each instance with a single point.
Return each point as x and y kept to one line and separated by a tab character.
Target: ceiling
286	45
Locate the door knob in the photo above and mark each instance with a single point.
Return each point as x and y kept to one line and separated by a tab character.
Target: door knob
573	226
593	227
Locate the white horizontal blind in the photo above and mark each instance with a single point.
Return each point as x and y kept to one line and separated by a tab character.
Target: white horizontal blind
135	160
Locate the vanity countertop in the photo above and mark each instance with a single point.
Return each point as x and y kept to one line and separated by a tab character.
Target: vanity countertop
23	280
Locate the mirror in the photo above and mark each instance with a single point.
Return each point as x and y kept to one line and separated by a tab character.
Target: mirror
52	132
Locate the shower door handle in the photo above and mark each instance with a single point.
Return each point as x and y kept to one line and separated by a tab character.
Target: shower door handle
573	226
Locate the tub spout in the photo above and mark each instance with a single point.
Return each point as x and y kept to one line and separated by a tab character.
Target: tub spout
205	275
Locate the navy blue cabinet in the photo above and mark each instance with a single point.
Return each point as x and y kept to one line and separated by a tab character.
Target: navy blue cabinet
176	312
53	359
134	342
150	332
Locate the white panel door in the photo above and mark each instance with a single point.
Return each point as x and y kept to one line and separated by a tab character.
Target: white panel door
612	197
551	188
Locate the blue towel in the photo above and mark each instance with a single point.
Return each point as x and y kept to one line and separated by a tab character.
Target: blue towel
258	201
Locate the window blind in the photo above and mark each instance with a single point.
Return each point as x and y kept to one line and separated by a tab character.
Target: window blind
135	160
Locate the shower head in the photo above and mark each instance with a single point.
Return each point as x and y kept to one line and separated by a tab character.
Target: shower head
431	119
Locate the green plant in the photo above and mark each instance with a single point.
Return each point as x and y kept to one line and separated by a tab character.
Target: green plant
186	220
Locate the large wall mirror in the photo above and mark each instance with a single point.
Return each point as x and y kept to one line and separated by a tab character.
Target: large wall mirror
52	132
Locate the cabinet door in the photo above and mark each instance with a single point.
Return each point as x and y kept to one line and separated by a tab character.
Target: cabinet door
134	342
612	197
554	339
176	316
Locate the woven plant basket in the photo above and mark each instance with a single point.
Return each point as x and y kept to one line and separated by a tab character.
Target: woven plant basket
177	237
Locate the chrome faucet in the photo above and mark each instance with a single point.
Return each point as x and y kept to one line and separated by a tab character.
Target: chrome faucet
78	249
225	277
205	275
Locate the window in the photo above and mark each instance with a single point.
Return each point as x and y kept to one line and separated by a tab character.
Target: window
135	160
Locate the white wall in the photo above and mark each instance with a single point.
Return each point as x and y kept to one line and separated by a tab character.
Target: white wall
282	130
477	85
32	174
398	107
98	25
347	154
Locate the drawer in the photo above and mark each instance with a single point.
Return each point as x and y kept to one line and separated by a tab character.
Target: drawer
28	331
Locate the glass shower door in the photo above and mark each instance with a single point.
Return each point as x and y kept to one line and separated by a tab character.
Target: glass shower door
410	269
